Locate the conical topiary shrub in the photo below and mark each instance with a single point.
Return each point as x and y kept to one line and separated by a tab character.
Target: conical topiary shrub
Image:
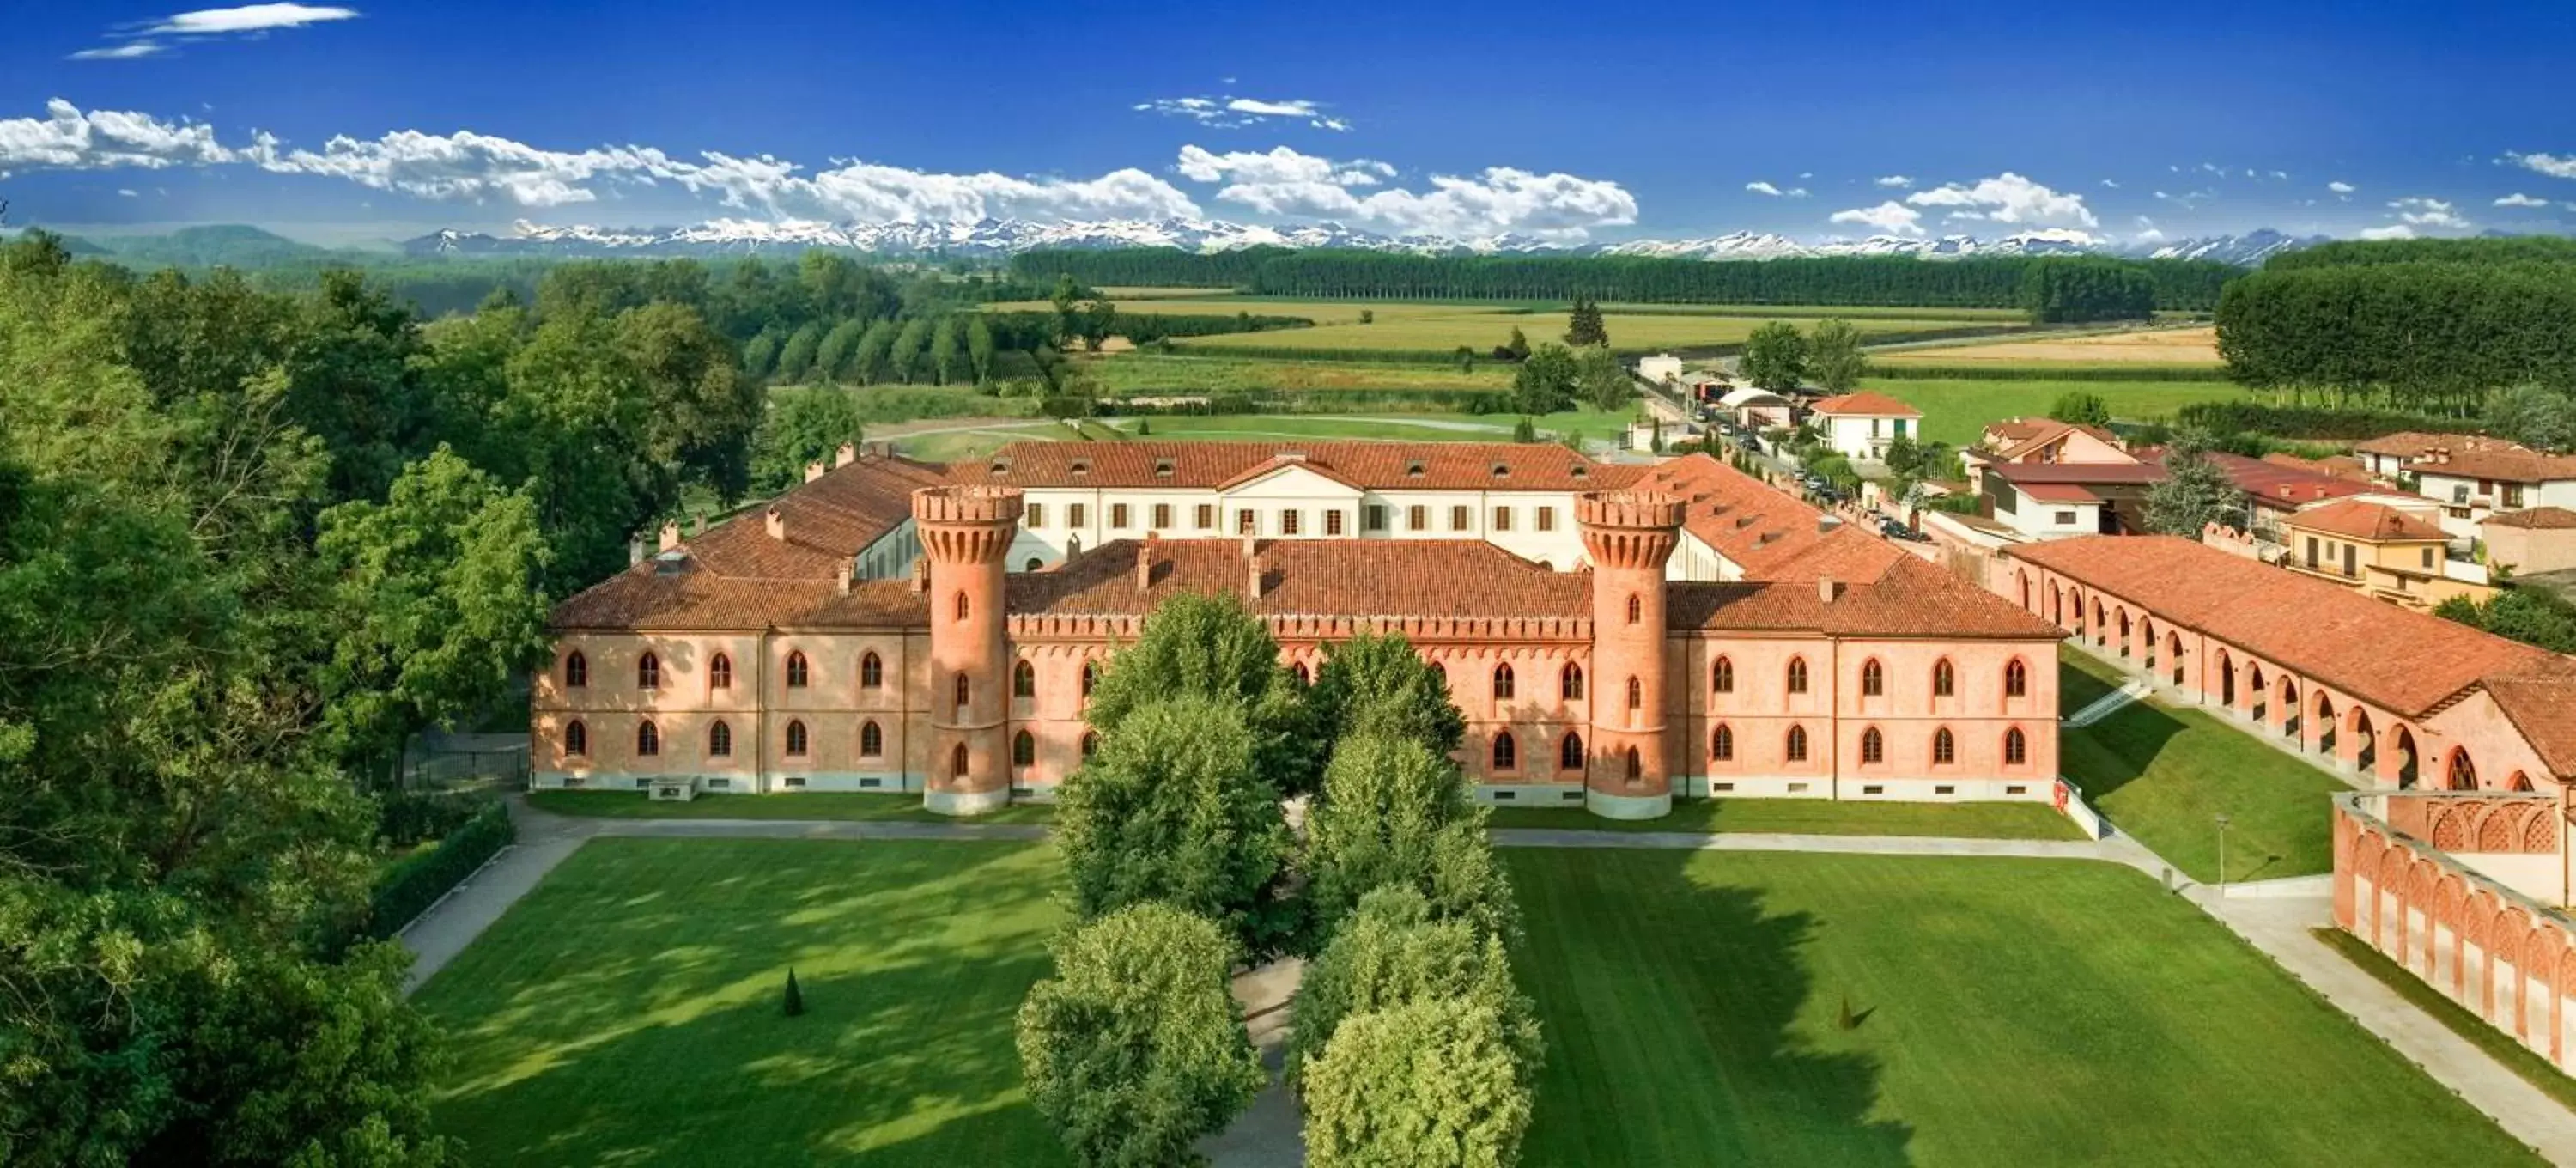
796	997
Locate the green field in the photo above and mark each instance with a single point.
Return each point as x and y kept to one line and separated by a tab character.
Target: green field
1443	331
1142	373
1815	817
2162	773
1956	410
799	805
2009	1012
2082	680
980	440
627	1012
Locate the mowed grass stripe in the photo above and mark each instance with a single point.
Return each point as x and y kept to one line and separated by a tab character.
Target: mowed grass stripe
2011	1012
627	1011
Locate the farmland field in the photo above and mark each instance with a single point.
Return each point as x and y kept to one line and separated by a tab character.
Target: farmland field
1417	326
1155	373
1956	410
2190	346
974	439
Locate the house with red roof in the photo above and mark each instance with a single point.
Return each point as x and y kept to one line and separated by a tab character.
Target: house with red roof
1859	426
2391	553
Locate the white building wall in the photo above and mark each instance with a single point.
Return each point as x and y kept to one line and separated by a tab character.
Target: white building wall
1052	536
1865	438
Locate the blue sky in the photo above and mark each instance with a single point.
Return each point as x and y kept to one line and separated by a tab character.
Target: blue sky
1595	121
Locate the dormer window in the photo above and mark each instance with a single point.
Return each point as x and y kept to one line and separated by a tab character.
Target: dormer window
1501	471
1583	472
1413	470
1000	467
1162	468
1082	466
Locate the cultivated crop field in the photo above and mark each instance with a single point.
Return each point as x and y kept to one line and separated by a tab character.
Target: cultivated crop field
1428	327
2183	346
1132	373
1956	410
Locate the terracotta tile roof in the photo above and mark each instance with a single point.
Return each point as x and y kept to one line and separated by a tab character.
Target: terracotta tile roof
2355	519
2273	483
695	600
1866	404
2535	519
2413	444
2059	493
2342	466
2015	438
1312	577
2511	466
1909	598
2022	474
1746	520
1440	466
2403	661
2544	709
1848	552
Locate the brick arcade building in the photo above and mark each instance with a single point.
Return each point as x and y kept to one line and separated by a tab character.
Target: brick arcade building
1614	635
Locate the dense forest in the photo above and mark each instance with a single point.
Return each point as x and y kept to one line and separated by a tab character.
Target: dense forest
1856	280
2063	291
250	541
2420	325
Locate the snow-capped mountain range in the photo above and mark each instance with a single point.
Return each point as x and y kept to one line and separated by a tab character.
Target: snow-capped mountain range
996	237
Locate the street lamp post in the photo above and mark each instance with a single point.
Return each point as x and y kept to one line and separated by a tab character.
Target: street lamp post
2222	853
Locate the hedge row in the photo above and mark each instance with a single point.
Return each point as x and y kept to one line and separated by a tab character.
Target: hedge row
2131	371
2323	422
410	888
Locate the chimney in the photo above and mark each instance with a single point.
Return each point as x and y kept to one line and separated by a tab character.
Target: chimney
814	471
698	523
1827	522
1145	560
920	575
849	572
670	535
634	552
847	454
777	525
1251	570
1826	589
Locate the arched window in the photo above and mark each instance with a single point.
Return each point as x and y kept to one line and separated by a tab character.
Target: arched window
648	672
1721	676
799	671
957	762
1797	746
1945	749
871	672
720	741
1873	679
1636	609
1304	676
1090	743
720	672
1873	747
1721	744
576	670
1636	695
2016	747
1507	753
1090	677
576	738
1442	673
1945	681
648	739
1024	680
1797	675
1570	683
1024	749
796	743
2016	679
1569	752
2464	775
963	607
1636	764
871	740
1033	565
963	688
1502	683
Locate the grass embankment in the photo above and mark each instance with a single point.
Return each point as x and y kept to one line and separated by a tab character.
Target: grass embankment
1815	817
2499	1045
1956	410
2008	1012
2164	773
833	805
627	1011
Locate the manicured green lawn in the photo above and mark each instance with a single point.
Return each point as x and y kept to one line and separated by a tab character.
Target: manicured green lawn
2499	1045
2163	773
1956	410
2081	680
1816	817
627	1011
801	805
2010	1012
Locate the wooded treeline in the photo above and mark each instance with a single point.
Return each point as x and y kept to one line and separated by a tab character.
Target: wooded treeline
2183	285
2406	326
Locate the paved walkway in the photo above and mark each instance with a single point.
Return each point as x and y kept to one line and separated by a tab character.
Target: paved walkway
2107	704
2274	916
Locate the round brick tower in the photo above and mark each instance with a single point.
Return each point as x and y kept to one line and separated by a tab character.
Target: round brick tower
1628	535
964	533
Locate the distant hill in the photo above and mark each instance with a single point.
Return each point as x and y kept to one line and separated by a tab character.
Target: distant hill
221	245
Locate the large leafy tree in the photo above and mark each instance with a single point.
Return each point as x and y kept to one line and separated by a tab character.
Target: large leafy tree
1545	383
2538	416
1174	808
1834	358
1378	684
1429	1084
1393	951
2195	492
2082	409
1584	326
803	427
1602	382
1134	1050
1775	357
1213	646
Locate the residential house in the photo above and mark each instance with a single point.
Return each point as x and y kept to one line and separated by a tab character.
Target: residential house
1859	426
2381	551
2531	541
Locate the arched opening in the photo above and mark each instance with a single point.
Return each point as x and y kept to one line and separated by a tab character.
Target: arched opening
1945	680
957	762
720	740
1090	677
2326	725
963	689
2023	575
2518	781
964	607
576	670
648	739
2057	605
1873	747
576	738
871	672
871	740
2461	773
796	743
799	671
2259	694
1636	765
2173	653
2016	679
1636	608
1507	753
2147	643
1304	676
1024	680
2016	747
1090	743
1024	749
1440	673
1873	679
1721	743
1033	564
720	672
1502	683
1945	748
1636	694
648	671
2124	632
1721	676
2289	705
2226	681
1795	749
2408	773
1570	682
1569	752
2365	741
2101	625
1797	675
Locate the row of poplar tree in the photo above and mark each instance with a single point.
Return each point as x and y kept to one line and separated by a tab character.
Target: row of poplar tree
1412	1044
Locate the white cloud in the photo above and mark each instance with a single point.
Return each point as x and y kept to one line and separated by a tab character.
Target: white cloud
124	52
2281	174
2341	187
127	193
1231	112
68	139
2553	165
2396	231
1888	218
2424	212
1285	183
1895	180
209	23
1279	165
2148	232
2114	185
2518	199
1762	188
2008	198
